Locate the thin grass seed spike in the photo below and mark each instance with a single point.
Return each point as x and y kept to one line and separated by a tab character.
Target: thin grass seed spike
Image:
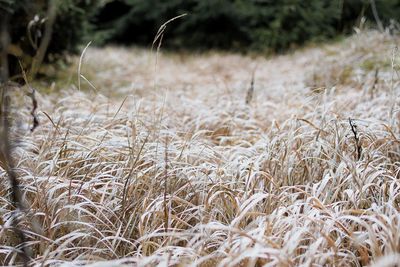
159	37
80	65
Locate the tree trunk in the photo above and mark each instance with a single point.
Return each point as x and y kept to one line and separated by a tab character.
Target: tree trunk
44	44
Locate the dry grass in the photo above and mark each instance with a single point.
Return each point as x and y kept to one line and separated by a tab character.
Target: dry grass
186	173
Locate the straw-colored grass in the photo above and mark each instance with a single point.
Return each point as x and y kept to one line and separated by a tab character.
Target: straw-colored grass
172	167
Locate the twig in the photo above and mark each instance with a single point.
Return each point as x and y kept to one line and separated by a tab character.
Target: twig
376	79
250	92
35	122
31	94
356	138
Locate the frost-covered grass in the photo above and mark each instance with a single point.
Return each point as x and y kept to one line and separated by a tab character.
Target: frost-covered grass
165	164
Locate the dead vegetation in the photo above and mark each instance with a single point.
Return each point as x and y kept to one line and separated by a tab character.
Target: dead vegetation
182	171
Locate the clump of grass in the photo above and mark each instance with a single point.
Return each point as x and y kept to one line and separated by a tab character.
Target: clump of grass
344	67
373	63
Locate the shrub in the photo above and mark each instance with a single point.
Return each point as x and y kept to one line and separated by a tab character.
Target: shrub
24	23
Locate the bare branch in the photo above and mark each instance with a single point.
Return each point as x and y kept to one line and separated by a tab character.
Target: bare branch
356	138
48	31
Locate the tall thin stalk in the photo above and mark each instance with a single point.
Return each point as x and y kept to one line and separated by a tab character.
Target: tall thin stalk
7	163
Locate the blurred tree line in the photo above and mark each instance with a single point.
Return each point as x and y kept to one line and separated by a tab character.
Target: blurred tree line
242	25
274	25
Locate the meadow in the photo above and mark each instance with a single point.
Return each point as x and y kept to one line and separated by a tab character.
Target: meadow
153	158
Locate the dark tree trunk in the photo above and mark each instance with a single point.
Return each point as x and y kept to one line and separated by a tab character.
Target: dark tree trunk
44	44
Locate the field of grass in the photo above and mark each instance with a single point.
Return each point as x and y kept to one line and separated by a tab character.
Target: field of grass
177	159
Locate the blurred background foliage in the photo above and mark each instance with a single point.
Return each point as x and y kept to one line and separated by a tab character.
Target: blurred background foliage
236	24
266	26
23	24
